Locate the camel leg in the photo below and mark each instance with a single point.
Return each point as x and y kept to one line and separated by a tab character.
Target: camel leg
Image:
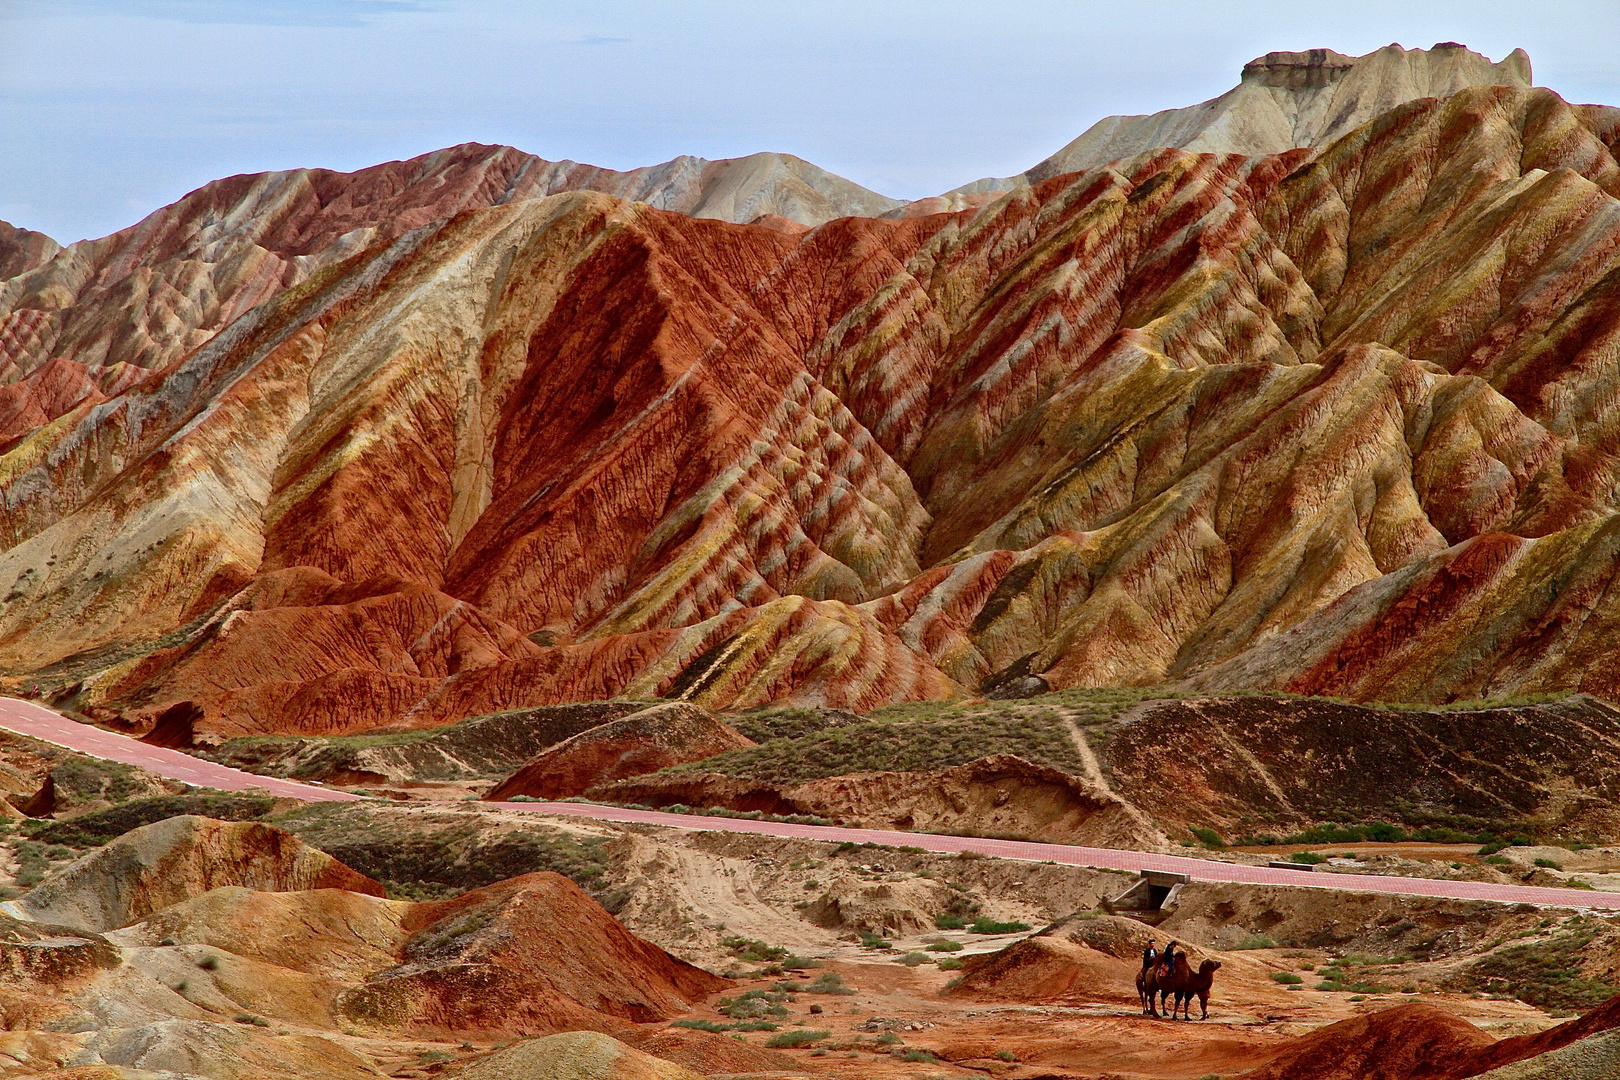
1203	1003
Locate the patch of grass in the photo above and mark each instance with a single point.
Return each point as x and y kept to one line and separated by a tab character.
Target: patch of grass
1544	974
950	963
1548	864
828	982
103	826
790	1040
991	926
870	940
752	951
944	946
945	920
792	722
1307	858
700	1025
1006	1055
914	736
35	859
209	963
918	1055
913	959
1287	978
437	856
1256	941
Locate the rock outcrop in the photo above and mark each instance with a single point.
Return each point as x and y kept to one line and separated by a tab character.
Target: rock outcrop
1330	421
642	742
150	868
1284	100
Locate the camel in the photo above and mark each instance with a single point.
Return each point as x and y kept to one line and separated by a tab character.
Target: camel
1183	982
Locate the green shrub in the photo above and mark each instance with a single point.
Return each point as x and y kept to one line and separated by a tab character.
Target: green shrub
1256	941
912	959
1208	837
700	1025
752	951
1309	858
1287	978
828	982
788	1040
945	946
950	963
918	1055
947	921
991	926
1548	864
870	940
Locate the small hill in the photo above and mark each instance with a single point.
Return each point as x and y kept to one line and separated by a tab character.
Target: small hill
529	955
1403	1043
643	742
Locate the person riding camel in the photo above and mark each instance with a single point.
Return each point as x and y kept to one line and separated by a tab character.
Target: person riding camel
1150	956
1167	959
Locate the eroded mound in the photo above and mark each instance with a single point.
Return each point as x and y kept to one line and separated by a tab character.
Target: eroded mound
576	1055
225	1052
1046	969
711	1053
643	742
1404	1043
172	860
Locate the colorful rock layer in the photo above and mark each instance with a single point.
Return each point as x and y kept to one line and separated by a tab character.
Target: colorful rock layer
1341	422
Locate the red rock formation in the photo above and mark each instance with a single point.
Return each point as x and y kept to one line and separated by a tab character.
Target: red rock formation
643	742
531	955
1328	421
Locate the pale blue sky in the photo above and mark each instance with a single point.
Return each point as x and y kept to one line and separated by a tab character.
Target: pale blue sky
112	108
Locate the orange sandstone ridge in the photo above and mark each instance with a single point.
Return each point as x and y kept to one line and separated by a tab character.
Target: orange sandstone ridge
321	453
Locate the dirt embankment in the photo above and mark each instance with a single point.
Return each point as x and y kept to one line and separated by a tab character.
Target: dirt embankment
1001	795
1240	764
480	748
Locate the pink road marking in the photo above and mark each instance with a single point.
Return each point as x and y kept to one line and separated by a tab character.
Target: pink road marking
27	718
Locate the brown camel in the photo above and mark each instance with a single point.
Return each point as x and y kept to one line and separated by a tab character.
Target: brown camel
1183	982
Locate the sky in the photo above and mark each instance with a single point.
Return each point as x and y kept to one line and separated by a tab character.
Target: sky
110	109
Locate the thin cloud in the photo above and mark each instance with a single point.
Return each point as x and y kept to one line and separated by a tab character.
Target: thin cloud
324	13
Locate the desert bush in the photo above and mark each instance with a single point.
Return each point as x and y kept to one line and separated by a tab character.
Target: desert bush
828	982
1256	941
913	959
1287	978
945	946
950	963
788	1040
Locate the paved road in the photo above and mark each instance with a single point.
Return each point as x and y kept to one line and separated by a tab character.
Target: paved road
26	718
